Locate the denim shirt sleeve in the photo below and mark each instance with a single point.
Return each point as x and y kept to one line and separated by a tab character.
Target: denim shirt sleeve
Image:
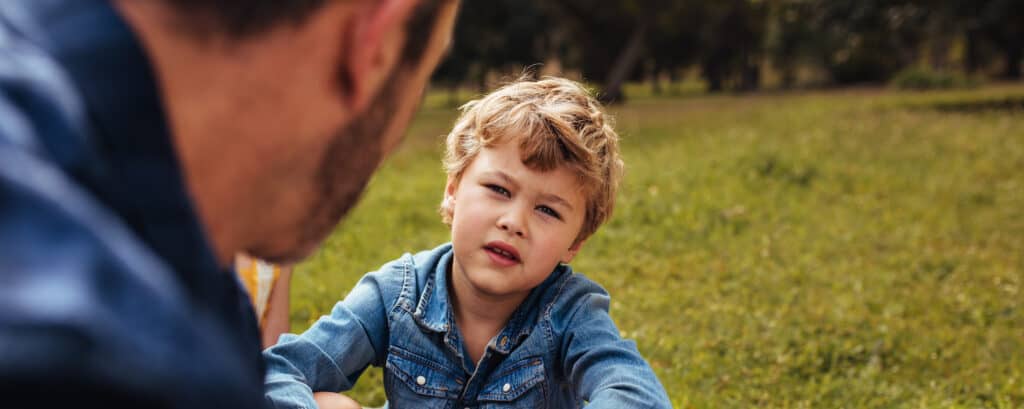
335	351
606	370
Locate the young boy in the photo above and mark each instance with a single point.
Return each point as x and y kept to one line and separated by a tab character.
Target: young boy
494	319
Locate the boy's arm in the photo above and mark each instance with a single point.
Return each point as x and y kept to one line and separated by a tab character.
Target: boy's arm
275	319
332	354
606	370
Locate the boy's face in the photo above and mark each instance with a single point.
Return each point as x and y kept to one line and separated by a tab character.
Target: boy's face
511	225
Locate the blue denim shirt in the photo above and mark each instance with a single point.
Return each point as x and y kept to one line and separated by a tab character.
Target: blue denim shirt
559	349
110	295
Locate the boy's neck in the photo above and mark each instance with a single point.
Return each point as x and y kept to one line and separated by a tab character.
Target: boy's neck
477	309
479	316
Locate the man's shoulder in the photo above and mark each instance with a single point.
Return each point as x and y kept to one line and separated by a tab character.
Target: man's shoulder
41	109
87	306
47	217
86	303
51	215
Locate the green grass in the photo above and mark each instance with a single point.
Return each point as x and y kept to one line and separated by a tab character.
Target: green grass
858	248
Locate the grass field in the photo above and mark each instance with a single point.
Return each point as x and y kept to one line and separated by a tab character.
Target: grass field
859	248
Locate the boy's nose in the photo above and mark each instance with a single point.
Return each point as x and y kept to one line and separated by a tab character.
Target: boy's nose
512	222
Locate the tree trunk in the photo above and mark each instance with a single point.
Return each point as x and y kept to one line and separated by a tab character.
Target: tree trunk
623	65
481	83
673	80
973	54
939	42
655	77
788	75
453	94
1013	56
751	79
713	73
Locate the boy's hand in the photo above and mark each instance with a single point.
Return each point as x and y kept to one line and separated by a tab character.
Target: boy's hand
331	400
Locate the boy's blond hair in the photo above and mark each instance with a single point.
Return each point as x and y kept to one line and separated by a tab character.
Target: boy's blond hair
557	123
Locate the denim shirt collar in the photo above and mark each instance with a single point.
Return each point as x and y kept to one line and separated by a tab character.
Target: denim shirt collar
433	311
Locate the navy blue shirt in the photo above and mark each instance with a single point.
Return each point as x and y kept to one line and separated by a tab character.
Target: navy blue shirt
110	294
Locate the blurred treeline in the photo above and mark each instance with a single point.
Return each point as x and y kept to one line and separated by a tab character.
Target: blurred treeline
735	45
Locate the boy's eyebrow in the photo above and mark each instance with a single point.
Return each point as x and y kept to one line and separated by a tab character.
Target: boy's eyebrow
503	176
548	197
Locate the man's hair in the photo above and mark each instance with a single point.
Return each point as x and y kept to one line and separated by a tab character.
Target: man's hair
238	19
556	122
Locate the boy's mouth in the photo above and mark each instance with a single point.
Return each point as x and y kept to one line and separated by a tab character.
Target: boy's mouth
503	251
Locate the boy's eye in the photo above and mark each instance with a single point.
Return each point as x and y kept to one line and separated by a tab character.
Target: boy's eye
499	190
549	211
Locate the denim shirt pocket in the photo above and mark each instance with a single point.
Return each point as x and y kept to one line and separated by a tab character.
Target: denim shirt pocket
521	385
412	380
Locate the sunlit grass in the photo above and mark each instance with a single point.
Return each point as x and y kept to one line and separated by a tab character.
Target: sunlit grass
827	249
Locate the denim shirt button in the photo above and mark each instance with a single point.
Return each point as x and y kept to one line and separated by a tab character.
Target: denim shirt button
420	380
506	387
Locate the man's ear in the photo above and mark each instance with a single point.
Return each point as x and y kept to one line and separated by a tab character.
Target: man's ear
373	49
571	252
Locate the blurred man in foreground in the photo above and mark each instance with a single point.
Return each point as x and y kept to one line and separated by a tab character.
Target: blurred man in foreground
128	132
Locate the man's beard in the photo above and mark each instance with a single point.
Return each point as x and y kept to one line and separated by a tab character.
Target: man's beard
346	166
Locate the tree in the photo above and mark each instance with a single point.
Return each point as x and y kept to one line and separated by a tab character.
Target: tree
609	38
494	35
730	42
1002	23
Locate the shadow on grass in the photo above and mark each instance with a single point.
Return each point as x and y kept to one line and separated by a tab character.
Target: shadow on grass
1007	104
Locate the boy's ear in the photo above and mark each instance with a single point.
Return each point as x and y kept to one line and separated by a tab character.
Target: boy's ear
571	252
372	50
450	187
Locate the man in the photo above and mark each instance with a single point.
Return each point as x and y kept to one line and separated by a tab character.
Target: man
135	136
